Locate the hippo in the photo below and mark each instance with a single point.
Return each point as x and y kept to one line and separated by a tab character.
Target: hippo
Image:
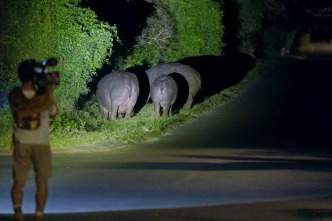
191	75
117	93
164	91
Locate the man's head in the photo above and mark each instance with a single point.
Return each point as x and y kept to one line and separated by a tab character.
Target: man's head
26	70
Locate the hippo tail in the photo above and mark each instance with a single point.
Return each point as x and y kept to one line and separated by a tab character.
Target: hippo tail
162	91
131	87
162	88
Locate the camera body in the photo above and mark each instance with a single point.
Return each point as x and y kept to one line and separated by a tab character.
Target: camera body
43	78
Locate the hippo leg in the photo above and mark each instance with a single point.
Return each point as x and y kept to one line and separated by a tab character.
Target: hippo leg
104	111
189	102
170	111
157	109
132	101
165	110
129	111
114	112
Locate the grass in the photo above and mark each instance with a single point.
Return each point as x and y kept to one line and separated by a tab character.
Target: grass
85	126
6	128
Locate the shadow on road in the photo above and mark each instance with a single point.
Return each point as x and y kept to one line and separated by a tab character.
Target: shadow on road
227	163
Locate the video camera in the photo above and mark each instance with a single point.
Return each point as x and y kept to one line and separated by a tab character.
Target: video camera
44	78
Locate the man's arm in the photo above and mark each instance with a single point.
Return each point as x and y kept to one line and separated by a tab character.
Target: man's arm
53	111
55	77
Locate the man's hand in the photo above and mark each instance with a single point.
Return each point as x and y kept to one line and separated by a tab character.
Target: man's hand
55	80
55	77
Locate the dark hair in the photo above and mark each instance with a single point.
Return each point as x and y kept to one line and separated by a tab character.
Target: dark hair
26	70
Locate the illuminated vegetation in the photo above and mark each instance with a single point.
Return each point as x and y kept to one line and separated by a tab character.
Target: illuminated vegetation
83	44
86	126
251	15
40	29
178	29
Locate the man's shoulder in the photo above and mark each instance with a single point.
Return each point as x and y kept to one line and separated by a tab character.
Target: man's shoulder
16	91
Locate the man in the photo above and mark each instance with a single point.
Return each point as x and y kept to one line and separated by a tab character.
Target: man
31	111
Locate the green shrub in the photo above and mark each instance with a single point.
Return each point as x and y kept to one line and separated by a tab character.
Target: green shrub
176	30
39	29
6	128
86	126
199	28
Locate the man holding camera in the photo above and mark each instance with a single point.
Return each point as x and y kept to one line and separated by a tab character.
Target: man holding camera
31	110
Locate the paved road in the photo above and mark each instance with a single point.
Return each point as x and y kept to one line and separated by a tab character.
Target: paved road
270	144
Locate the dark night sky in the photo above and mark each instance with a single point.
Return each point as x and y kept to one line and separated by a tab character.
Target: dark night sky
129	16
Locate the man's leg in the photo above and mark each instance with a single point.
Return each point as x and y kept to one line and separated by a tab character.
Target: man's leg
43	170
41	195
17	197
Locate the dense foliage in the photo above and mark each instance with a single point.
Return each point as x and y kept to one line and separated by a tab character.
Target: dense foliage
44	28
270	25
40	29
251	15
179	29
85	126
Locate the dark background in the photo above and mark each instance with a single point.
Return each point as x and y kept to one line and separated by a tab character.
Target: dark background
217	72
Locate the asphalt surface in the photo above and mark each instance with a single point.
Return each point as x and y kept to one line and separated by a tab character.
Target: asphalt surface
262	156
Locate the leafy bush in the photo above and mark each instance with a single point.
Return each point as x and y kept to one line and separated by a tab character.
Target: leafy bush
199	28
39	29
153	43
85	126
251	16
179	29
6	128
